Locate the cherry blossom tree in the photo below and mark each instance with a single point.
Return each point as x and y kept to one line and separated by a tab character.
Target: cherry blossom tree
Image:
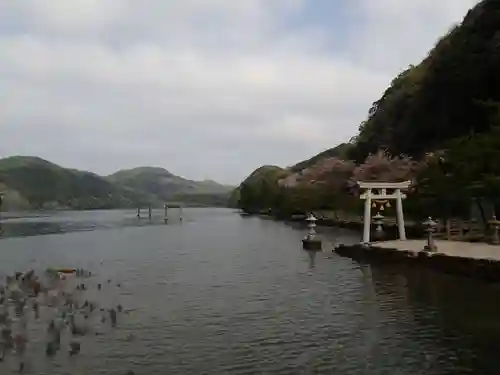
331	171
383	167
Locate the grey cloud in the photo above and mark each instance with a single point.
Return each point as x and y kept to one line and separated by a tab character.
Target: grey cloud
206	89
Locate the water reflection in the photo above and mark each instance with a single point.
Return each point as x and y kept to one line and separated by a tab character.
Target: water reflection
219	294
461	313
311	255
32	224
17	229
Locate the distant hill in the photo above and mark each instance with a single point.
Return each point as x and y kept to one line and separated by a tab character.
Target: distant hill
162	184
33	183
258	186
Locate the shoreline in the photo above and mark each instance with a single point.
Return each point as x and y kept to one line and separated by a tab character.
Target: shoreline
413	230
473	260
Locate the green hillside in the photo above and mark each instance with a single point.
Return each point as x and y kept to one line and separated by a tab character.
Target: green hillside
163	186
444	96
45	185
257	192
33	183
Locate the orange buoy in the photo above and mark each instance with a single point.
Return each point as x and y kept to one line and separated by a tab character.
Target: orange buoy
66	270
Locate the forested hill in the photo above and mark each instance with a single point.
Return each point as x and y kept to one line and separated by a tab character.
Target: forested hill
443	97
436	124
34	183
163	184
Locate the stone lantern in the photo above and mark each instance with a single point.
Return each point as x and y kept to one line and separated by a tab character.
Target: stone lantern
495	224
429	227
378	220
310	241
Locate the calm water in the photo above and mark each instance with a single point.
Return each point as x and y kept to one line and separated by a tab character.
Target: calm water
222	294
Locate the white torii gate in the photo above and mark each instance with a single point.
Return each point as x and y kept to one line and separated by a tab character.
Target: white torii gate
381	194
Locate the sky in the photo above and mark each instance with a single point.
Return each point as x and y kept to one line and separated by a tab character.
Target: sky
208	89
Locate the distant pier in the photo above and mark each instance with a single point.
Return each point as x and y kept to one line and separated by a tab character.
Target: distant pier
166	208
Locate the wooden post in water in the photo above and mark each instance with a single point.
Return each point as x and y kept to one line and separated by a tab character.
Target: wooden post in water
149	212
138	212
180	213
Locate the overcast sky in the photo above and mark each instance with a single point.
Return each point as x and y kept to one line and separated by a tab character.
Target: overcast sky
204	88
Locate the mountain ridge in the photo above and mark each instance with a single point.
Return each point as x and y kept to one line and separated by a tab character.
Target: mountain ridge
30	182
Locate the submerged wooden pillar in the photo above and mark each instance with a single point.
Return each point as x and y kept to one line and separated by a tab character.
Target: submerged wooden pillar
138	212
149	212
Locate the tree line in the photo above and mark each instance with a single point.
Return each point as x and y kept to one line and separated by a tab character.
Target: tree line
438	124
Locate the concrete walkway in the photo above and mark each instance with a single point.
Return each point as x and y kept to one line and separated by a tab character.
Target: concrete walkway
479	250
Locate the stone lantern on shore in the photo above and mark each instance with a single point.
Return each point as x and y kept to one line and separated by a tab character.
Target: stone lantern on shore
310	241
495	224
429	227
